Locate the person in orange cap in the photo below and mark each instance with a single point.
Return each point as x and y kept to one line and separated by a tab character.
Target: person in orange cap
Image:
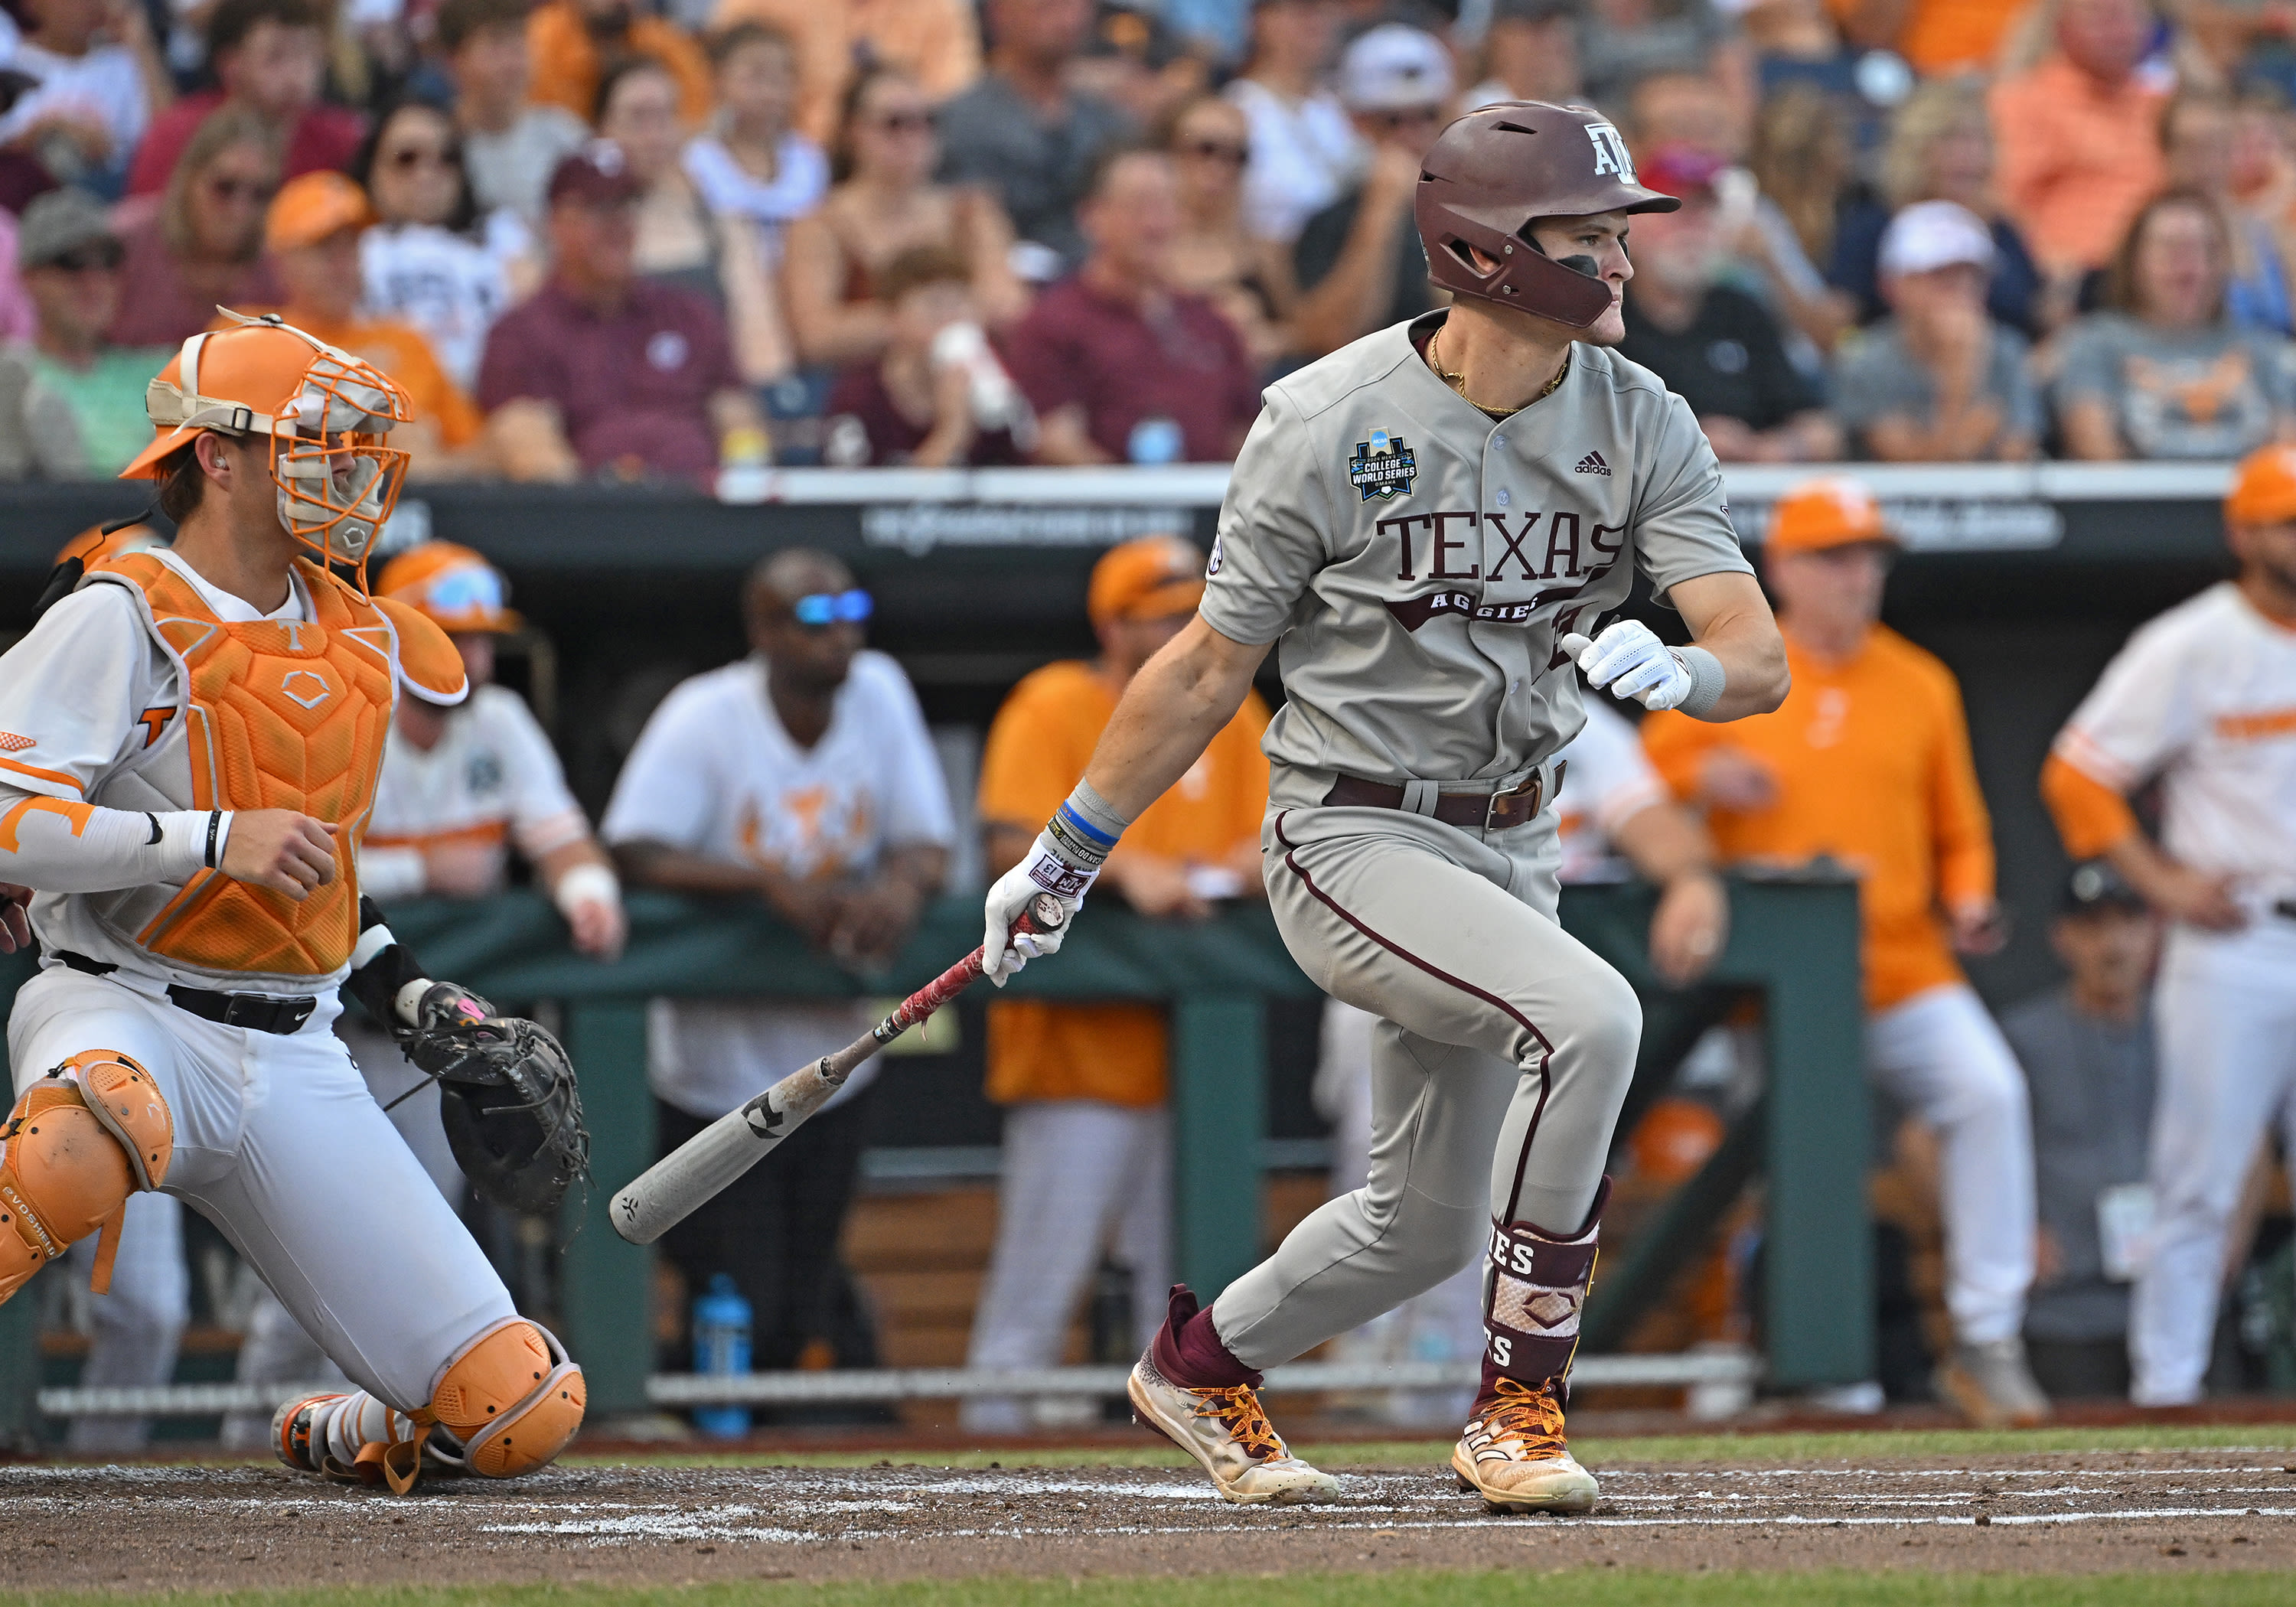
1867	764
312	233
2203	699
190	743
1087	1136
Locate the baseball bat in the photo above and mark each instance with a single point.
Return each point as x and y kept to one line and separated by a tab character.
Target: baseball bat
671	1189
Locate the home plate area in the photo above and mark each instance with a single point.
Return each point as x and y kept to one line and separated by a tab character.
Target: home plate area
192	1527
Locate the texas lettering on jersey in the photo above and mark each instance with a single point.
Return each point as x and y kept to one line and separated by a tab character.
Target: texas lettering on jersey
1571	553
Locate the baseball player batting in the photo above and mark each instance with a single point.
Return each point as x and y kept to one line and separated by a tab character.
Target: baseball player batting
2205	699
1419	519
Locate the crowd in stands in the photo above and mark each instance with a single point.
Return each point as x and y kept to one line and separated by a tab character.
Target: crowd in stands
646	239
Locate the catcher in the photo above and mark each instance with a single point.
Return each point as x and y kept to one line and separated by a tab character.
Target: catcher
189	741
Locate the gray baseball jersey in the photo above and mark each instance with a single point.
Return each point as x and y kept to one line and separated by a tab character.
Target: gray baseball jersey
1418	561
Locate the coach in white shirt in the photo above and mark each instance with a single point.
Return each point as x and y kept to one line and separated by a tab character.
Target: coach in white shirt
803	776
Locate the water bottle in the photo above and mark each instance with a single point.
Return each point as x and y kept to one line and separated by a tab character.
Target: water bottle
721	1348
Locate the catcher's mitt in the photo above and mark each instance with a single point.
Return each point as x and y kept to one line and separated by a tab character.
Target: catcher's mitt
513	1114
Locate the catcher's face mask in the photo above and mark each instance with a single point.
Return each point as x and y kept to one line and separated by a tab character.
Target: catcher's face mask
328	415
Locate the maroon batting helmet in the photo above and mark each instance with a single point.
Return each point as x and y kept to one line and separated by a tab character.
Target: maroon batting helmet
1493	171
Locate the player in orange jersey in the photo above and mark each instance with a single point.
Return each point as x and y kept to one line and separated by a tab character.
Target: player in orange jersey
1867	763
188	749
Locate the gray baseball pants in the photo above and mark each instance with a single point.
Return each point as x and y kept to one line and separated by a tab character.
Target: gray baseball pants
1501	1058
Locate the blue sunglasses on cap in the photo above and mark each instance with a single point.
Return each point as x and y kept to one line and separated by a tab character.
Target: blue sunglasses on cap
833	608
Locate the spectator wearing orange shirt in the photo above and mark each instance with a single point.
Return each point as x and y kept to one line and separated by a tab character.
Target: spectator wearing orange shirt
1087	1139
1937	37
312	235
2080	135
1867	763
573	42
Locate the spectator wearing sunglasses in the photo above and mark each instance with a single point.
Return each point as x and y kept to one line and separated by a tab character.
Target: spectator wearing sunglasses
801	779
511	145
96	95
1216	255
269	57
71	404
886	204
431	261
203	247
1359	264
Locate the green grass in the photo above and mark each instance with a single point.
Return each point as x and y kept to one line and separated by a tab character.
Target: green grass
1577	1588
1859	1445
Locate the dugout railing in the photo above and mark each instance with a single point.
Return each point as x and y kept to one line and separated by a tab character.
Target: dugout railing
1793	943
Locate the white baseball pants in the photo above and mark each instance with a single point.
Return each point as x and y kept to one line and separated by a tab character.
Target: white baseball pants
1940	1055
1079	1174
138	1324
2225	1017
274	1350
280	1146
1502	1052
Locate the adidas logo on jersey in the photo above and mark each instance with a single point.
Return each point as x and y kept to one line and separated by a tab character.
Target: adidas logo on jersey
1593	464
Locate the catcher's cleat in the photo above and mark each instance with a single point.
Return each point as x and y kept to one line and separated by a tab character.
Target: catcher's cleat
292	1432
1225	1430
1514	1456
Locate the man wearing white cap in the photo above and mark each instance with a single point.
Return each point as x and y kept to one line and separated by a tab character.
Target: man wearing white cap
1938	381
1360	262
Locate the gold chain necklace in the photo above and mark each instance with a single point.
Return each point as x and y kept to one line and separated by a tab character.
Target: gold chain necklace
1458	381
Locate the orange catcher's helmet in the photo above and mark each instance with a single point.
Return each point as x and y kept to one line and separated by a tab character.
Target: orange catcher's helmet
326	413
451	587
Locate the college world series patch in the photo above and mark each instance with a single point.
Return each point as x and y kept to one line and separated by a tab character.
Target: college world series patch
1383	467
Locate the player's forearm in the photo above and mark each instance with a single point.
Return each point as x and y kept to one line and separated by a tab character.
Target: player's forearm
1730	618
63	846
1181	698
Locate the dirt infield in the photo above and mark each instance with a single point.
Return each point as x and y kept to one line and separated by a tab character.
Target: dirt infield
200	1528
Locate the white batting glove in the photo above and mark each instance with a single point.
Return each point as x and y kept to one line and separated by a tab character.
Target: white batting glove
1629	662
1004	951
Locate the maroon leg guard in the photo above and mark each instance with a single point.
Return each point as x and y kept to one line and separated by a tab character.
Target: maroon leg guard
1538	1284
1187	1349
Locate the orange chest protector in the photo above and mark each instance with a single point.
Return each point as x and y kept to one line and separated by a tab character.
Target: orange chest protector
278	715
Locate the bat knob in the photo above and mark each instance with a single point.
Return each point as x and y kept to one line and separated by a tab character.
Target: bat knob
1046	912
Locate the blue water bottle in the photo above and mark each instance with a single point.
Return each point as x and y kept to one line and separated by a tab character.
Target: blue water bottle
721	1348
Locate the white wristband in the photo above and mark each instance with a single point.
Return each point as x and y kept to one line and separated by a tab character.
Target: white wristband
585	883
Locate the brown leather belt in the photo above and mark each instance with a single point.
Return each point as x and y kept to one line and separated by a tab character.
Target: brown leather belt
1470	811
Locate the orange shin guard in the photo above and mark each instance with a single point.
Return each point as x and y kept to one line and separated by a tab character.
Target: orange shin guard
75	1149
